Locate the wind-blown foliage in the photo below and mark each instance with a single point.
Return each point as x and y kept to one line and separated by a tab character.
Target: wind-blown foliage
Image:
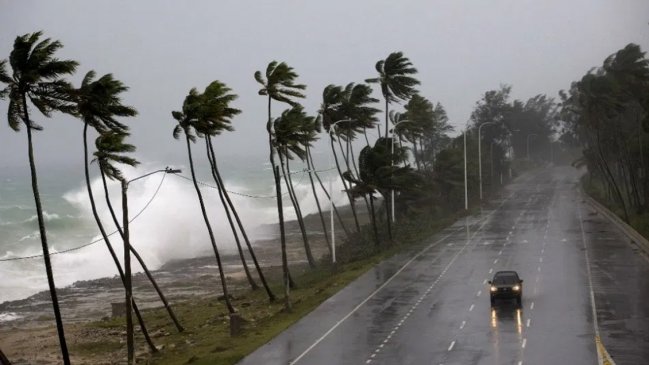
37	77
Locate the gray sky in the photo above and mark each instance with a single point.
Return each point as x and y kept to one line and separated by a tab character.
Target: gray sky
161	49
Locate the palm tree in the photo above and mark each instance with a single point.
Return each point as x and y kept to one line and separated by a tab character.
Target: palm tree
293	131
188	120
395	80
279	84
331	114
216	115
37	77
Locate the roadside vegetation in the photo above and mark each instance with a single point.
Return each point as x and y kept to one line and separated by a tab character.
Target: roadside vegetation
414	173
606	115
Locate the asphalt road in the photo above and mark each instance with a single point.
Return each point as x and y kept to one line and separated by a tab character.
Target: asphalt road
431	305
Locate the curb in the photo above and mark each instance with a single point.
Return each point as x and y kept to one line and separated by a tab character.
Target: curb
602	355
635	237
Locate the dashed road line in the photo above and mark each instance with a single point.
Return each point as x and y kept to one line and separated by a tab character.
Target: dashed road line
451	347
524	343
463	324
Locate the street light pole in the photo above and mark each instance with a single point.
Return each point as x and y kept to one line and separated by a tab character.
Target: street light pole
332	128
466	190
480	156
127	258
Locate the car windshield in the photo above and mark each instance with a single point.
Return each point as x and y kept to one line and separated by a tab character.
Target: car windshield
505	279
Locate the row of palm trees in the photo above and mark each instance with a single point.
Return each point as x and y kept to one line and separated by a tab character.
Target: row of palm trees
34	76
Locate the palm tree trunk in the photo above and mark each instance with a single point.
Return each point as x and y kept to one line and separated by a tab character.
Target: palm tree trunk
342	223
351	200
224	285
376	231
278	188
414	144
262	277
287	275
298	212
614	185
41	228
315	196
170	311
104	236
251	281
127	275
388	209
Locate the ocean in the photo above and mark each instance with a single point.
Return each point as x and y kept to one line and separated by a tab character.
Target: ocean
166	220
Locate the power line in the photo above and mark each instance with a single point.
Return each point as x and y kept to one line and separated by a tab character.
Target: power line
97	240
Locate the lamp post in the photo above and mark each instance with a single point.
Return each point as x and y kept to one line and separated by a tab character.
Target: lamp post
332	129
480	155
466	190
127	257
528	143
394	130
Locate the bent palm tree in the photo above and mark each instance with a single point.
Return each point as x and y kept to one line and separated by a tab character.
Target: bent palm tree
395	80
97	105
293	131
279	84
187	120
37	76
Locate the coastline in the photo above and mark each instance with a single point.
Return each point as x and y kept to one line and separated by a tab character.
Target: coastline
32	326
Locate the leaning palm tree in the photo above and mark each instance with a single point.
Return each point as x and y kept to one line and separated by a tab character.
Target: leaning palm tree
37	77
395	80
188	119
216	115
279	84
97	105
293	130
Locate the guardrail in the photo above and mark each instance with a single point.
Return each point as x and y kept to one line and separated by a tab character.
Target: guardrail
636	237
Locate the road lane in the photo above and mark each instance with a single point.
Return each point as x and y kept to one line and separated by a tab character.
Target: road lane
436	310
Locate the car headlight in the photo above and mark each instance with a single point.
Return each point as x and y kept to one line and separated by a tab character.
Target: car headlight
516	287
493	288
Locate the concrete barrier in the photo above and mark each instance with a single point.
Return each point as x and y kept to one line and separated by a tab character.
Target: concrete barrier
636	237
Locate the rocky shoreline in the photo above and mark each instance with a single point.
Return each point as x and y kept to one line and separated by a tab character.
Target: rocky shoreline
28	324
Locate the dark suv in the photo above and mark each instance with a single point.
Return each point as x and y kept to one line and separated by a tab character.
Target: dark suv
506	285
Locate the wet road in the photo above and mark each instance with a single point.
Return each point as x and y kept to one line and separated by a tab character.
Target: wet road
431	305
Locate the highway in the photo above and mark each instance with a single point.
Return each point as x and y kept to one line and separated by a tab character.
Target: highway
430	305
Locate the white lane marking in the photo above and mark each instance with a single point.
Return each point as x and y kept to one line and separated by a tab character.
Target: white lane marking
451	347
540	259
520	363
368	361
356	308
495	261
491	270
528	323
471	307
524	343
500	252
462	325
484	281
525	241
532	305
479	292
538	269
542	251
373	355
537	279
590	280
564	240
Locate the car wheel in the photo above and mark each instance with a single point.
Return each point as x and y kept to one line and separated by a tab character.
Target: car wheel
519	301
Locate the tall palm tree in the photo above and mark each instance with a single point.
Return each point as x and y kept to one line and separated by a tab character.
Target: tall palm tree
216	115
97	104
293	131
331	114
37	77
279	83
395	80
188	119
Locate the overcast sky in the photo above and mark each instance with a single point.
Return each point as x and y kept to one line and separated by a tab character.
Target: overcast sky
161	49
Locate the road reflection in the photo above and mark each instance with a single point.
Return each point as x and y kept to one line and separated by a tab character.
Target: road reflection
506	317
